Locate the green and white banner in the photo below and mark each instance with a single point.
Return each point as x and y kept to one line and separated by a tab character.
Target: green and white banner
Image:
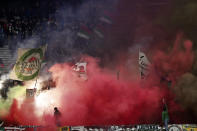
28	64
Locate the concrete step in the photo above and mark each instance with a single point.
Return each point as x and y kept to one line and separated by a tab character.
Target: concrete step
6	57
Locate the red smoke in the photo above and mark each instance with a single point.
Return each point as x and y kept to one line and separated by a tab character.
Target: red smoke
101	100
176	62
104	100
25	115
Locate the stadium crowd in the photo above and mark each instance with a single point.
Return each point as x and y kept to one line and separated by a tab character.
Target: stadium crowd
18	23
20	20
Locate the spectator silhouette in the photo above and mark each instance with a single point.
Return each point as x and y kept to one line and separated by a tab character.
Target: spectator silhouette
57	116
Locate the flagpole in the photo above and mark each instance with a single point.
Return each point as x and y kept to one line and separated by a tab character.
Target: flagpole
36	83
37	76
138	62
118	74
45	47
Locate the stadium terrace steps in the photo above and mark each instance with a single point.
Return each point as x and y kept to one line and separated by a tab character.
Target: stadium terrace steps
6	59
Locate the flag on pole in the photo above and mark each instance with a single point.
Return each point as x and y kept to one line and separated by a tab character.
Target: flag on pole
81	69
28	64
84	32
98	31
106	18
144	65
83	35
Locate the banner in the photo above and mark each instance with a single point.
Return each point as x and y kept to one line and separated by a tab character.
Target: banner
30	92
77	128
28	64
64	128
189	127
151	127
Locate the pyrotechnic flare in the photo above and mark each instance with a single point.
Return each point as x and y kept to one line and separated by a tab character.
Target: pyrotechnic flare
103	99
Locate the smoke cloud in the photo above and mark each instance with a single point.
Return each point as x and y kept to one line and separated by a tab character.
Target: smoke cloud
102	99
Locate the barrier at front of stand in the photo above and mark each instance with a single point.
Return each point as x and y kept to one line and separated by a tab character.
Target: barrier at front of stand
171	127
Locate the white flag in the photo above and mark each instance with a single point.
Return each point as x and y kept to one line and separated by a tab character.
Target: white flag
144	65
28	64
80	69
